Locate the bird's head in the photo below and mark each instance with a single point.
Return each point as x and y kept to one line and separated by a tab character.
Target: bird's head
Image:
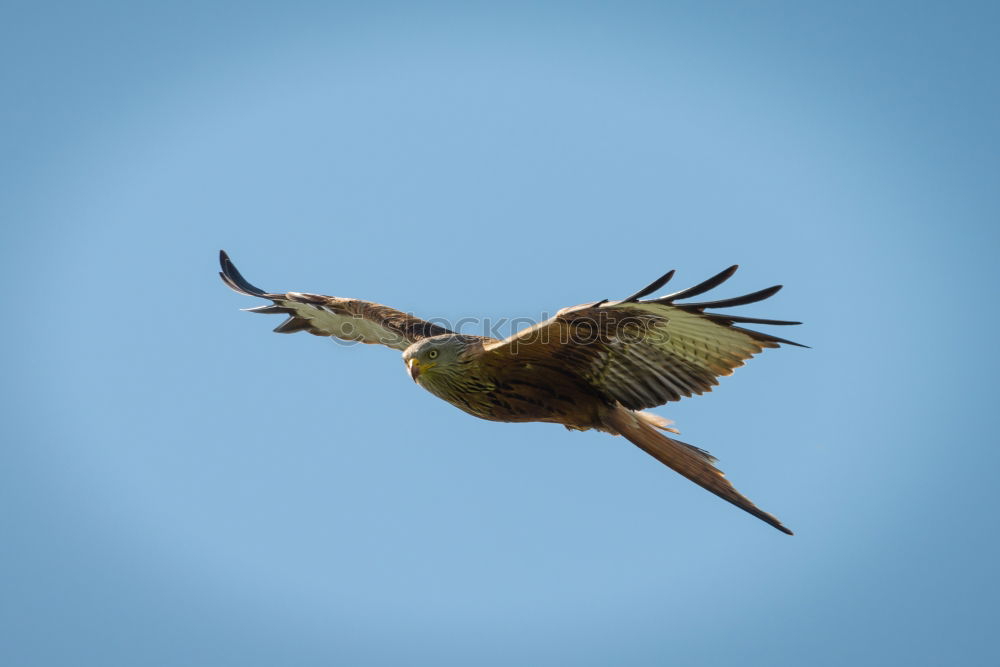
432	356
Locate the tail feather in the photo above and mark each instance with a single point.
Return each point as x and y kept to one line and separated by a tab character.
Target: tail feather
690	461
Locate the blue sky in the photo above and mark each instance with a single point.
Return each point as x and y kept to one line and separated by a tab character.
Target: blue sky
181	486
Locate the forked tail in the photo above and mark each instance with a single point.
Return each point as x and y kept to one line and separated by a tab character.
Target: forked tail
693	463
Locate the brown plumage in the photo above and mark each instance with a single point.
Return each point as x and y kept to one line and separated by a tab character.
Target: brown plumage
593	366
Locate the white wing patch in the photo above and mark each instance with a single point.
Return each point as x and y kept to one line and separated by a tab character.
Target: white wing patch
344	326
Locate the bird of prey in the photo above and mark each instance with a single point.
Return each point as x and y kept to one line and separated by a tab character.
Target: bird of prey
594	366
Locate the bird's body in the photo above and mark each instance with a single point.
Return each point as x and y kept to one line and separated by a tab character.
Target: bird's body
593	366
525	390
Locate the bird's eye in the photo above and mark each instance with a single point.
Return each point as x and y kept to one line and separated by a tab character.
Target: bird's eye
432	354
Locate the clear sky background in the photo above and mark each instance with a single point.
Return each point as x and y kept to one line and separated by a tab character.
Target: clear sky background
179	486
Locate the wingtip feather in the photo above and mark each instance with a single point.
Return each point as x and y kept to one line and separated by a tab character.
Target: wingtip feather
701	287
651	287
234	279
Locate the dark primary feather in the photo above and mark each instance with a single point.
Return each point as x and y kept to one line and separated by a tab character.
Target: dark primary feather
267	310
232	277
700	288
725	318
651	287
753	297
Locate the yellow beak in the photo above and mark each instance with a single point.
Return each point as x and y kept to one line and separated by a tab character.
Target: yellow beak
416	369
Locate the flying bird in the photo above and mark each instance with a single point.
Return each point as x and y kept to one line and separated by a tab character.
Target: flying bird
594	366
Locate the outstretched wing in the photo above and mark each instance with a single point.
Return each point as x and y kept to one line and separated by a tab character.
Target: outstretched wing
646	353
347	319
